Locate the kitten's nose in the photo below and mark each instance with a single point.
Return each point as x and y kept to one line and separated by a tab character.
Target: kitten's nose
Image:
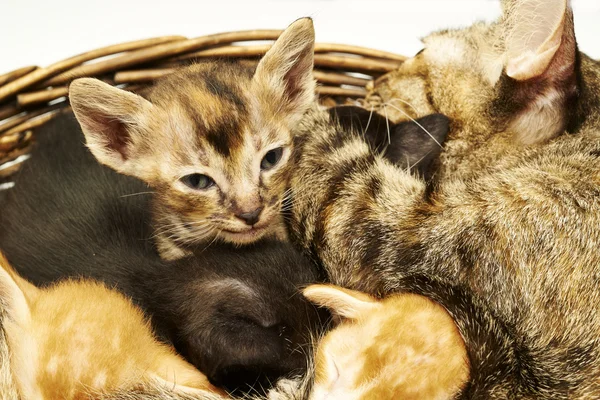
252	217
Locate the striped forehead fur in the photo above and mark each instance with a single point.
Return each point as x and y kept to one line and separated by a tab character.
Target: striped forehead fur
213	98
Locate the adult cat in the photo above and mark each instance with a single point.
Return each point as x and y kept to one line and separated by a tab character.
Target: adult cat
514	221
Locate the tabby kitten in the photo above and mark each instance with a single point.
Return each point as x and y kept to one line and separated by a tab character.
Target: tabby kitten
212	141
234	313
519	81
79	339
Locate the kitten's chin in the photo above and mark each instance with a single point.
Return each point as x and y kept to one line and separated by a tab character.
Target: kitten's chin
244	237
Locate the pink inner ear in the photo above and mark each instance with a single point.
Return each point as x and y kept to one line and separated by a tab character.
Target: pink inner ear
296	77
115	134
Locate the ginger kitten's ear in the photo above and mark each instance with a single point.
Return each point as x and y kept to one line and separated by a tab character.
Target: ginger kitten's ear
284	76
112	121
14	293
341	302
539	35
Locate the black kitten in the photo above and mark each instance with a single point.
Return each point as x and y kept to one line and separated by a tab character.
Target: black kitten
416	145
235	313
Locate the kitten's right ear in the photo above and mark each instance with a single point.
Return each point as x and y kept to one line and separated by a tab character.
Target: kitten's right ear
341	302
112	120
416	145
14	293
283	77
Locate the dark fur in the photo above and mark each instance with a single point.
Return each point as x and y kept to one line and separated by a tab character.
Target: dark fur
235	313
406	144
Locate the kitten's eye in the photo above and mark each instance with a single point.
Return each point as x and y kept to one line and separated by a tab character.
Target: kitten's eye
420	51
198	181
271	159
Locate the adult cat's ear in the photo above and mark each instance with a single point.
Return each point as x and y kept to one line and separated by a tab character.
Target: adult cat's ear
416	145
112	120
14	293
341	302
540	38
284	76
539	83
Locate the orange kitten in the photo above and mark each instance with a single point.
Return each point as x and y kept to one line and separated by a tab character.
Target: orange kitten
79	339
402	347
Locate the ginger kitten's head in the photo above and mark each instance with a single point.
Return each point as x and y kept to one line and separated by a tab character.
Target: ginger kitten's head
403	347
212	140
517	75
78	339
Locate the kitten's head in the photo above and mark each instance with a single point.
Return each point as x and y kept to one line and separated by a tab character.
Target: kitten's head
213	140
517	75
403	347
76	338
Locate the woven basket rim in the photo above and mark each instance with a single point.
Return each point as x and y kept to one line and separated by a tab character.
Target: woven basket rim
33	95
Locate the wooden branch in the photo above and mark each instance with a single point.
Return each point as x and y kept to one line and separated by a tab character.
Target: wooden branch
12	155
149	75
30	124
40	74
8	111
357	50
41	96
336	78
356	64
228	51
260	50
144	75
159	52
17	73
337	91
10	142
7	124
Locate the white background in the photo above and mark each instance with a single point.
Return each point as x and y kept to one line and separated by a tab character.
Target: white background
41	32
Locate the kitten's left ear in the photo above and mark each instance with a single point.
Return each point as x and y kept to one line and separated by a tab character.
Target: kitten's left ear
284	76
341	302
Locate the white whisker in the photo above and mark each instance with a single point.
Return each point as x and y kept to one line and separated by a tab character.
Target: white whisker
135	194
415	121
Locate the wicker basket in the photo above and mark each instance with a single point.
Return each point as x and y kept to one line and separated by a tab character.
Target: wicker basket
31	96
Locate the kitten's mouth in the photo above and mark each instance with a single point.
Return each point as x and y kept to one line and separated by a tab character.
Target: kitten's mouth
246	236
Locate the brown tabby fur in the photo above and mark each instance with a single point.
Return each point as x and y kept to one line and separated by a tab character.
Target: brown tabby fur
402	347
218	119
513	223
522	239
78	339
